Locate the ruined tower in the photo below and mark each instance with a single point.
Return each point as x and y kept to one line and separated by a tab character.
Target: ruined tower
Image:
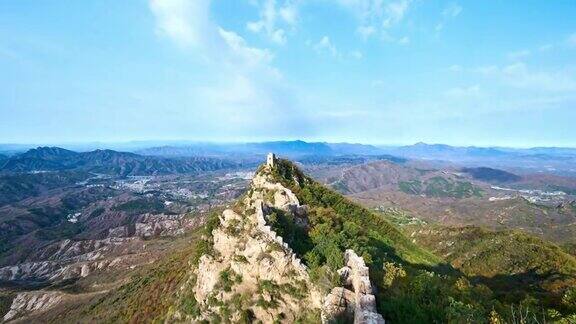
270	160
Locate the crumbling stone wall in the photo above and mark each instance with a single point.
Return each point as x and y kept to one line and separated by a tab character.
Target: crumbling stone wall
356	299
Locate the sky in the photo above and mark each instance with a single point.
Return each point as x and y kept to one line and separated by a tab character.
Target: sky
488	73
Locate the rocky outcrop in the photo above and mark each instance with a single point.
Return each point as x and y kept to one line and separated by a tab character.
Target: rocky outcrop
69	259
34	301
356	299
267	275
55	271
152	225
253	271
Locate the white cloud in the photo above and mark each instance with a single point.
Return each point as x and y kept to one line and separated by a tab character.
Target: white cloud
357	55
377	16
516	55
546	47
519	75
509	87
185	22
289	14
460	93
366	31
404	41
272	15
450	11
251	55
395	12
388	37
242	88
325	45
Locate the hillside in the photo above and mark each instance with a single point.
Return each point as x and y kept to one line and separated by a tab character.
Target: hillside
323	200
508	261
491	175
18	186
390	175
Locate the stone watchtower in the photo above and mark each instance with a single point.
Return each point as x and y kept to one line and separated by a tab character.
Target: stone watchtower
270	160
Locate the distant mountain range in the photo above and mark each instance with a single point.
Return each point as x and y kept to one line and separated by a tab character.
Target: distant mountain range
447	152
292	149
188	157
298	149
108	162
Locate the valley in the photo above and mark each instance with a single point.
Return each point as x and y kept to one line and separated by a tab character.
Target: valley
119	237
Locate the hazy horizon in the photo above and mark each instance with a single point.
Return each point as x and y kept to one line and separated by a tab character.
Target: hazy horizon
138	144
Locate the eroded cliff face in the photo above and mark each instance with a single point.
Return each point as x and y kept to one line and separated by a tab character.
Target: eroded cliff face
68	259
33	301
253	274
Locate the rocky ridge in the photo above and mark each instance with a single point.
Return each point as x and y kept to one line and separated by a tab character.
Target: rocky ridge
252	266
252	269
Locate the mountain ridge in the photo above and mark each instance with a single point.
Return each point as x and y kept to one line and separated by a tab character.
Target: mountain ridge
108	161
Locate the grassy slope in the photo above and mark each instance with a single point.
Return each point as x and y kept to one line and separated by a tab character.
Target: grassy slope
384	234
512	263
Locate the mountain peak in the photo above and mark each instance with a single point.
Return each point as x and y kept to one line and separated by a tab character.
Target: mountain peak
251	261
258	250
48	153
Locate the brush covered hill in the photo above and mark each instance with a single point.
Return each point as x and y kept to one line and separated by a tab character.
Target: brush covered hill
280	253
507	260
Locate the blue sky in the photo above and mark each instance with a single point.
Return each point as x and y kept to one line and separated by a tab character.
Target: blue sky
373	71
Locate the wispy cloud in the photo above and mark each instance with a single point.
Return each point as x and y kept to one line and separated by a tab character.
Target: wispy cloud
463	92
357	55
272	15
325	45
517	55
250	55
377	16
395	12
450	11
545	47
519	75
185	22
244	87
